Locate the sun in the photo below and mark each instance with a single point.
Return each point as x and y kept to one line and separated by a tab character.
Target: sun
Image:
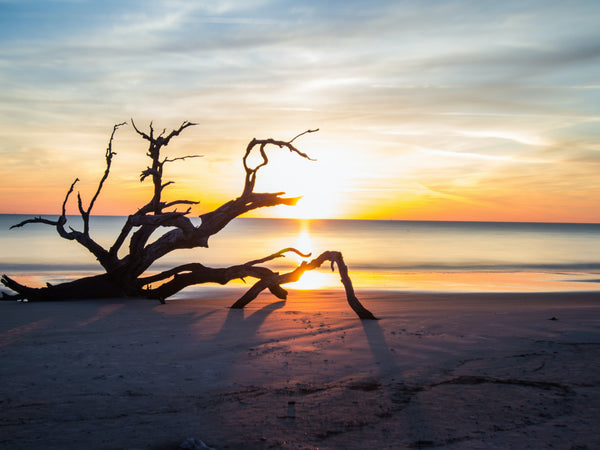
315	204
319	183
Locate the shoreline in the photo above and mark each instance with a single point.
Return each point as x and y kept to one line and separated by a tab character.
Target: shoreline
446	370
460	282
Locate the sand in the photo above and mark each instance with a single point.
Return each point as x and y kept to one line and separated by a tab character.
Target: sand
437	371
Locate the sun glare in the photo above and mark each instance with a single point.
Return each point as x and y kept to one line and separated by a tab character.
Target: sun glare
303	243
312	279
319	184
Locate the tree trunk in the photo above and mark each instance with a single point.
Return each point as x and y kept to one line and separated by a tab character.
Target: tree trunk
97	286
124	276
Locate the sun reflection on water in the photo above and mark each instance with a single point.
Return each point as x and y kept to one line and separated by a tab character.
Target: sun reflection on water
313	279
303	241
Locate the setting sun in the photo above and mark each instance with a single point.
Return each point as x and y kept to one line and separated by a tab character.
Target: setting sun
320	183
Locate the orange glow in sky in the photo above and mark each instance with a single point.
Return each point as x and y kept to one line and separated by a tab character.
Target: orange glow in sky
440	111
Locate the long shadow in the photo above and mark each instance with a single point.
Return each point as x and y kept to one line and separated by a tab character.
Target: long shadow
384	357
238	335
150	374
245	328
399	393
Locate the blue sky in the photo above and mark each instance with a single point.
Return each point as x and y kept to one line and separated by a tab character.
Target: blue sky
472	110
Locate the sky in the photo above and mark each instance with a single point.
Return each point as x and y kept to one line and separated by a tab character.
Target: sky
427	110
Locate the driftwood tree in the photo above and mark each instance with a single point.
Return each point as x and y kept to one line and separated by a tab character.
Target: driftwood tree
126	276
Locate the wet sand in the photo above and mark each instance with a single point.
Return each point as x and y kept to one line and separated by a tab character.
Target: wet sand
437	371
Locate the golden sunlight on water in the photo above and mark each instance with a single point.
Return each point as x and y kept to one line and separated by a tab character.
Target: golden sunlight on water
316	279
303	241
454	281
457	281
313	279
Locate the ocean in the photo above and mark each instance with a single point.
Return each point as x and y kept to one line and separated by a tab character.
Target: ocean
393	255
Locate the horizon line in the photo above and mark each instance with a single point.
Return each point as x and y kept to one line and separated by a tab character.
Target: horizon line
340	219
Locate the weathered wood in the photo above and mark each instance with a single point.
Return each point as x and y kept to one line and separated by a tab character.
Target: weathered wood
125	276
274	282
98	286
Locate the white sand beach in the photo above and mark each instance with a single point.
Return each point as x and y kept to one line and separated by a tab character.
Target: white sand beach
436	371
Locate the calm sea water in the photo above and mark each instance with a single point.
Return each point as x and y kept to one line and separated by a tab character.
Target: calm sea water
403	255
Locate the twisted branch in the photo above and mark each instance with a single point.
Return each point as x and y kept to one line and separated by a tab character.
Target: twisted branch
273	283
123	276
262	143
191	274
83	237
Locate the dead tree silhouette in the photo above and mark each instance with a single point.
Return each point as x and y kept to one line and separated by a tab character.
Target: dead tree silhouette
126	276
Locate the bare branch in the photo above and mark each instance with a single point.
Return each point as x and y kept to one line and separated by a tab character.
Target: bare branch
180	202
190	274
57	223
80	205
85	214
114	249
279	254
64	205
303	133
82	238
274	283
196	273
156	170
35	220
288	145
108	156
161	141
251	172
147	173
181	158
174	133
216	220
141	133
171	219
